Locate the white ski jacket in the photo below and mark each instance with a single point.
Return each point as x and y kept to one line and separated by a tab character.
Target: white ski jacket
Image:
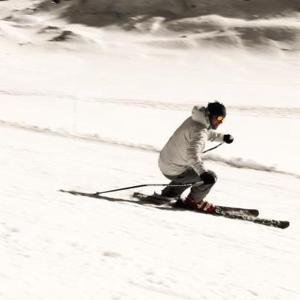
184	148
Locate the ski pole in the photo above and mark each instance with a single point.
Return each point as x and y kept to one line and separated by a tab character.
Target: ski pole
213	148
155	184
143	185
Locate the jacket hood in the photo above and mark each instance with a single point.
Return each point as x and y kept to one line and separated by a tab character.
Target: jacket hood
199	114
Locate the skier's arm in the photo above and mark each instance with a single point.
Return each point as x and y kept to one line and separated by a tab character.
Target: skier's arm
214	136
195	149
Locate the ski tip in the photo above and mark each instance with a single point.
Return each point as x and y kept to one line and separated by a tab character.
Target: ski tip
284	224
70	192
67	191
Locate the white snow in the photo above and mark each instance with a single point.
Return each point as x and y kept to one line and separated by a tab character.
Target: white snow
90	112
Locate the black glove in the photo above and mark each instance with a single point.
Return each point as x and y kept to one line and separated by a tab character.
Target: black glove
208	177
228	138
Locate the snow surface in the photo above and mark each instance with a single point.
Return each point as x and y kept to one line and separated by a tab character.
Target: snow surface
88	108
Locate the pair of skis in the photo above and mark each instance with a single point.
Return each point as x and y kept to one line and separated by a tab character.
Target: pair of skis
245	214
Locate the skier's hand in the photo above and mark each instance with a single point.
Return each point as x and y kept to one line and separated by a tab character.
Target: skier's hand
208	177
228	138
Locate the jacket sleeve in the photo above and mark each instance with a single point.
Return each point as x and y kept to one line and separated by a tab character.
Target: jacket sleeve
197	143
215	136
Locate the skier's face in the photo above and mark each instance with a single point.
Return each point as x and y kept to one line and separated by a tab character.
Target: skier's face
215	121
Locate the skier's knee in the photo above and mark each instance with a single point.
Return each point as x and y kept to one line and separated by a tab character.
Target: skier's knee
209	177
214	176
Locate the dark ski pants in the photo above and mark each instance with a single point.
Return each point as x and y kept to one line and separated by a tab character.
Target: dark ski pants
198	189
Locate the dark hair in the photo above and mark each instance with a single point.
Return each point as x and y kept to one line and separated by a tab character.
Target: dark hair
216	109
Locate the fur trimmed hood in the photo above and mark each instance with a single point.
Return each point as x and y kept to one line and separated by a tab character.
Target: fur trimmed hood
199	114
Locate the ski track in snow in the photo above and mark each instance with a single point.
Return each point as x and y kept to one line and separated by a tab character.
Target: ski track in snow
232	162
237	162
283	112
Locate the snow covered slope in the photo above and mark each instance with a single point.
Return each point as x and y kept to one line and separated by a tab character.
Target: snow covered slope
88	108
59	246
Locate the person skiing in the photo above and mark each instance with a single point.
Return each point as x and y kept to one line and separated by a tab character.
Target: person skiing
180	159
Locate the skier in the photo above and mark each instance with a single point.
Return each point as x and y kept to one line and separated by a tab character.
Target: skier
180	159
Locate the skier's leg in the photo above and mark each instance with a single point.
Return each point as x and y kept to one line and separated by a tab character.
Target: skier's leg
173	191
198	192
189	176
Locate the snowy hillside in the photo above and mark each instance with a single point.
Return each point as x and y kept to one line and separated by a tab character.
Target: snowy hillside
90	91
194	23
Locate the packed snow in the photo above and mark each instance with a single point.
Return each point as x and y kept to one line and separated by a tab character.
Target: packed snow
90	92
